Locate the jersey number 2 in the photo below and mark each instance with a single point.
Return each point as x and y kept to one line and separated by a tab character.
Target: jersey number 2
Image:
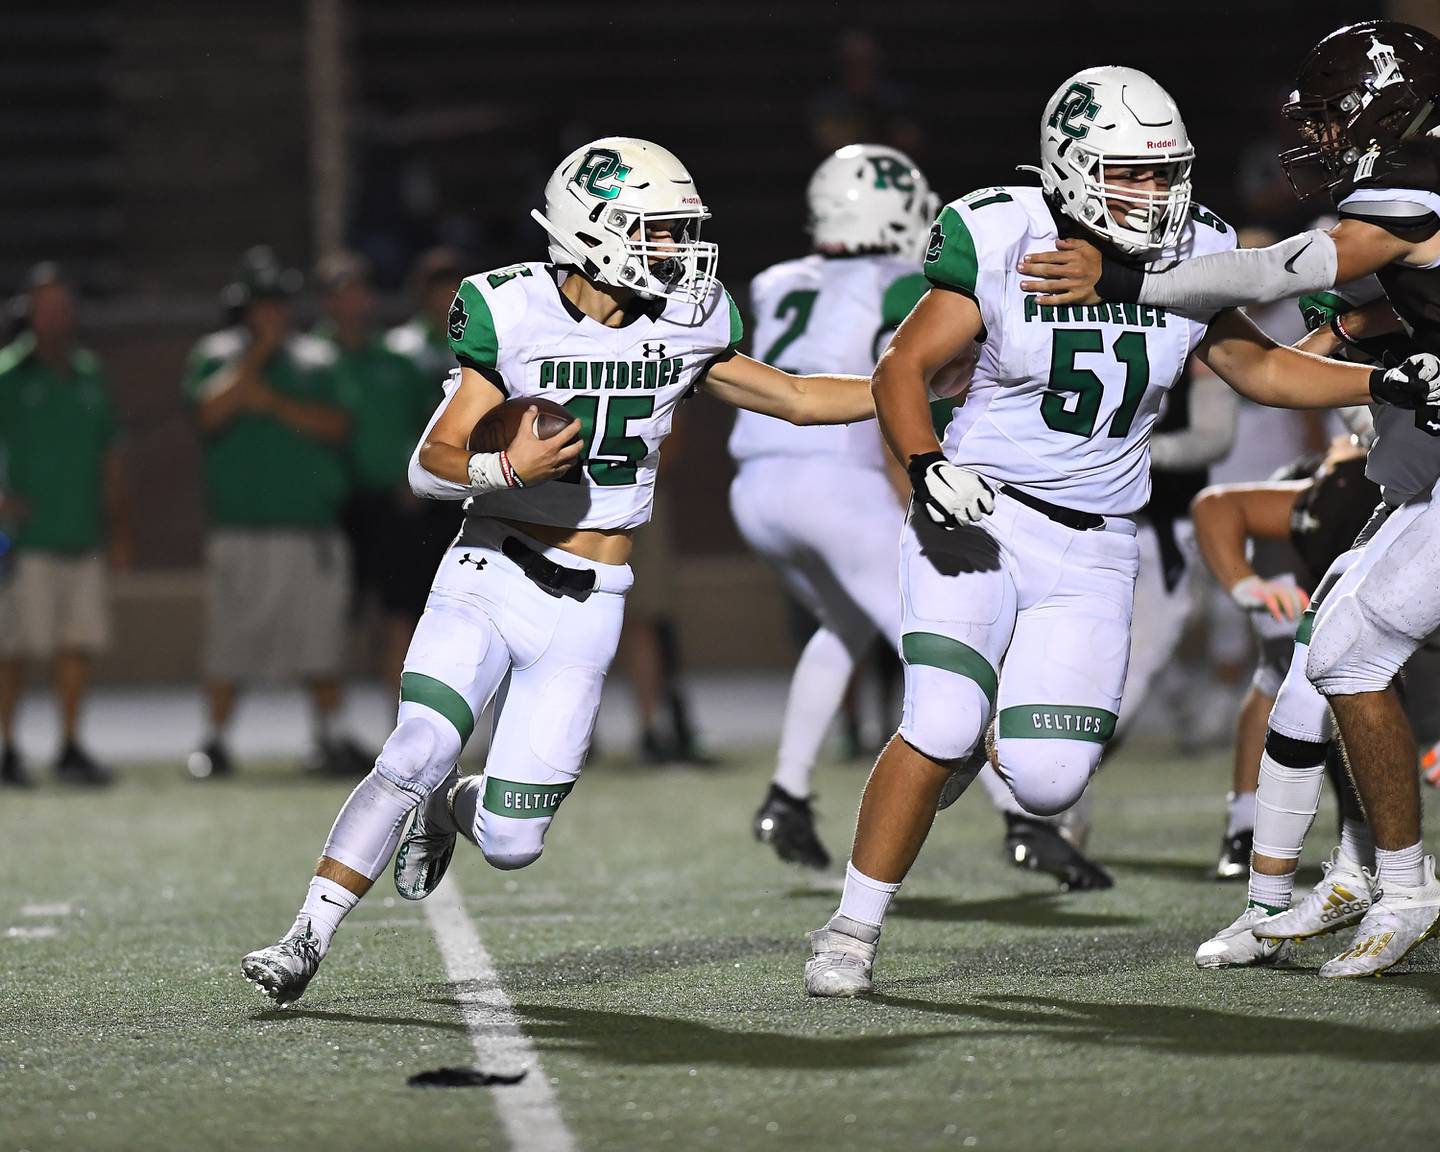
798	305
1066	380
612	462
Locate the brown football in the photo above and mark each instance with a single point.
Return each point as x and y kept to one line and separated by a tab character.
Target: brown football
495	432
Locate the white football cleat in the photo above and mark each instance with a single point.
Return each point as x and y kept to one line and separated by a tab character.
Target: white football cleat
1402	916
428	845
283	970
842	958
1236	946
1340	900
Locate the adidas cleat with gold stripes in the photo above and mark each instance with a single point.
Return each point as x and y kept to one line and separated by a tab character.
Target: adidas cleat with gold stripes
1339	900
1402	917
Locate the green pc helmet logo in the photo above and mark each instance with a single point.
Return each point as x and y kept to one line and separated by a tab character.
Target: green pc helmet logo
600	165
1077	103
892	173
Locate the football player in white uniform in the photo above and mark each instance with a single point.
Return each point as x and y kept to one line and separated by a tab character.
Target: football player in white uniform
1020	545
1367	104
830	311
623	322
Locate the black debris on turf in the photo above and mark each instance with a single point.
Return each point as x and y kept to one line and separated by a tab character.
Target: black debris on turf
463	1078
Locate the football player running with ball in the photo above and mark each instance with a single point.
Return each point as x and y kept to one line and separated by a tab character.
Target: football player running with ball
624	322
1019	558
1367	104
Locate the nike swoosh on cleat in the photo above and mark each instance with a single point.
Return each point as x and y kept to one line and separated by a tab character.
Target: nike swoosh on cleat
1290	263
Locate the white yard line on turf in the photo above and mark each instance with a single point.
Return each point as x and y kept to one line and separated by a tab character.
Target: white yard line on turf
528	1110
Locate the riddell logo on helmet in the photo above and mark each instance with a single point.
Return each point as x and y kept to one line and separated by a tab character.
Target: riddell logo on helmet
1170	143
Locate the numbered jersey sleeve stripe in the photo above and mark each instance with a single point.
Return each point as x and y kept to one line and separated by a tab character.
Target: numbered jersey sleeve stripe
737	325
950	258
472	329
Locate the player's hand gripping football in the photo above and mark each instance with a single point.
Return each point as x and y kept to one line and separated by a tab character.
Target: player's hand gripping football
535	460
1066	276
950	495
1413	384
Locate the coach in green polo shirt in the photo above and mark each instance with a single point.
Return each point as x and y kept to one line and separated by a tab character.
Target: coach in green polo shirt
268	403
66	490
396	539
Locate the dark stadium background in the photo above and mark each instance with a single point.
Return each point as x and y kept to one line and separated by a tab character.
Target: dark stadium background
146	145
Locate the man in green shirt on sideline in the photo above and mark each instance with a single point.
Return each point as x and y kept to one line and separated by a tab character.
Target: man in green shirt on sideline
278	570
65	488
390	401
422	339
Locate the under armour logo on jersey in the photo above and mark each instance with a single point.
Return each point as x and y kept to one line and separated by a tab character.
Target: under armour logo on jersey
465	559
652	351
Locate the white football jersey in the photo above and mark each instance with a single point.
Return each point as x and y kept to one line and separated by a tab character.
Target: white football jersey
1062	400
623	385
822	314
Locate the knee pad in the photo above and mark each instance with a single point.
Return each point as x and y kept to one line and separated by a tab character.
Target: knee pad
1048	776
1299	713
1352	652
945	713
510	844
419	752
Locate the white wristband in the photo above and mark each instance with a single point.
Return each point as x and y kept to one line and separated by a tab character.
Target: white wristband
488	473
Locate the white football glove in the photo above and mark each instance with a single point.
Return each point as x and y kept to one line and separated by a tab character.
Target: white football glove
1281	599
951	496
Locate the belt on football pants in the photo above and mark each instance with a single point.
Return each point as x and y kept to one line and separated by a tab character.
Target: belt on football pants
1081	521
556	579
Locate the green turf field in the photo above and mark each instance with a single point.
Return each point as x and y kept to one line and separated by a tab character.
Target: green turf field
654	956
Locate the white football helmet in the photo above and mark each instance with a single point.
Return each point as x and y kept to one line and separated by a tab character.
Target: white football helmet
606	200
1106	118
870	198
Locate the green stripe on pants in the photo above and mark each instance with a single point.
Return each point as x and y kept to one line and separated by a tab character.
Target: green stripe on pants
1056	722
936	651
416	688
524	801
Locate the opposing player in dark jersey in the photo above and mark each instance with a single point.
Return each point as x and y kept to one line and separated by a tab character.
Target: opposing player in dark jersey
1367	104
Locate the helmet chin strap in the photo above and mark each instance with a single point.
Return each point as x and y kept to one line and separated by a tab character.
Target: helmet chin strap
583	262
1047	182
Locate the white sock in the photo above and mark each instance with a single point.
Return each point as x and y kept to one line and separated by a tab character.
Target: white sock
864	899
326	904
816	691
1241	808
1271	892
1405	867
1356	843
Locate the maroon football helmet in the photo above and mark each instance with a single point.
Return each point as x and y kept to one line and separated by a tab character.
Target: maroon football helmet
1367	87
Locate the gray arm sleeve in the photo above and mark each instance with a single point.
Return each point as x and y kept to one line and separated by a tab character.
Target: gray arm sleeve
427	484
1211	435
1301	264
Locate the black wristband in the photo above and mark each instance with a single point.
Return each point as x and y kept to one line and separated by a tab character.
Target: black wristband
1119	282
1384	390
919	463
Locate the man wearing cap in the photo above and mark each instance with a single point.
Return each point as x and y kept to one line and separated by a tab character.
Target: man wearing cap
66	498
268	405
390	401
